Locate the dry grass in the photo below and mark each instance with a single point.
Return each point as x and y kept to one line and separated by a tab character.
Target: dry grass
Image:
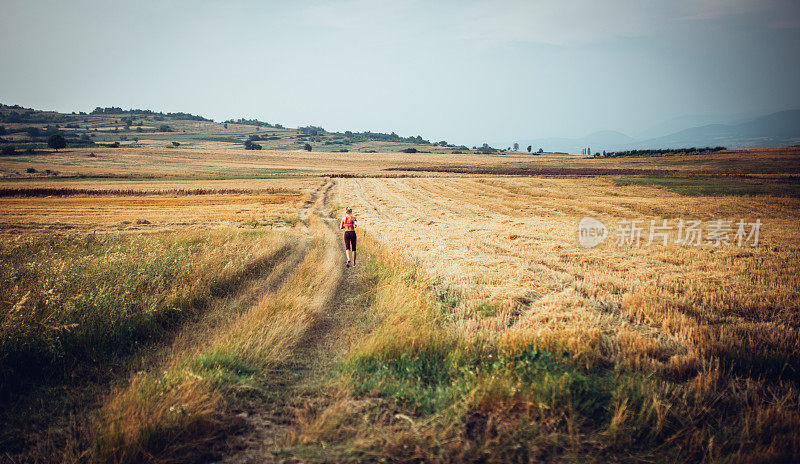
493	337
72	299
225	163
76	305
716	329
152	207
139	421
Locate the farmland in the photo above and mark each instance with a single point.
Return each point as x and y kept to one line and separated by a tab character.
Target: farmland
189	303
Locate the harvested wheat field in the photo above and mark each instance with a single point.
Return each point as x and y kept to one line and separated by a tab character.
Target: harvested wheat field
188	319
480	231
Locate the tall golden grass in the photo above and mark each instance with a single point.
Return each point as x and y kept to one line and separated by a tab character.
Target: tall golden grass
71	299
172	412
700	344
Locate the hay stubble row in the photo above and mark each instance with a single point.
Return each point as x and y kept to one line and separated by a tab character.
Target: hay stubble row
512	242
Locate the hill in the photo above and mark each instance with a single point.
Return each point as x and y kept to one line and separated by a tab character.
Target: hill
776	129
568	145
28	129
773	130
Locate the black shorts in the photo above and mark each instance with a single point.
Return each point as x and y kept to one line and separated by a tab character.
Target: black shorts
350	240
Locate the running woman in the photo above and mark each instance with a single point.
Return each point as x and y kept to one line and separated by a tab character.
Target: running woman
349	225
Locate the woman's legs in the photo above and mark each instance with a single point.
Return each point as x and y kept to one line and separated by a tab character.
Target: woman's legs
353	247
350	247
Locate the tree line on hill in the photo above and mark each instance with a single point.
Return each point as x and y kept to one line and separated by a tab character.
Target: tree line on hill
113	110
252	122
316	131
659	152
15	114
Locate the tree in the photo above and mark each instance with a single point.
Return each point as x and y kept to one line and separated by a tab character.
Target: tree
250	145
161	128
176	144
33	132
307	147
8	150
516	146
409	150
56	141
2	130
540	151
529	148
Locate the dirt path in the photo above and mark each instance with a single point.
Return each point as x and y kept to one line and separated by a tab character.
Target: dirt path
293	385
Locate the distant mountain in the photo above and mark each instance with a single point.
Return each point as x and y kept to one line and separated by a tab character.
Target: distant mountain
776	129
773	130
597	139
679	123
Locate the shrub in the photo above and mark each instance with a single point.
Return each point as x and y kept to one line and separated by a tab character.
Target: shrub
176	144
307	147
409	150
311	130
56	141
250	145
164	128
30	170
33	132
9	150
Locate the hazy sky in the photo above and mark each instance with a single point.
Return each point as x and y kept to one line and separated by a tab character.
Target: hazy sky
464	71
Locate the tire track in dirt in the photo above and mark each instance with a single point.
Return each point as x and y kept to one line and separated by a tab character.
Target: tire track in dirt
291	384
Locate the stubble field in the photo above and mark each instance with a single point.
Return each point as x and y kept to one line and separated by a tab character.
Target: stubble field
182	309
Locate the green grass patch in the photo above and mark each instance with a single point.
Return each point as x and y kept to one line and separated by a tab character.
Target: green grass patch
486	309
441	374
713	186
225	370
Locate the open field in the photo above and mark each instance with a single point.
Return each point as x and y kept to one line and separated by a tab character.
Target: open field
192	304
696	322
